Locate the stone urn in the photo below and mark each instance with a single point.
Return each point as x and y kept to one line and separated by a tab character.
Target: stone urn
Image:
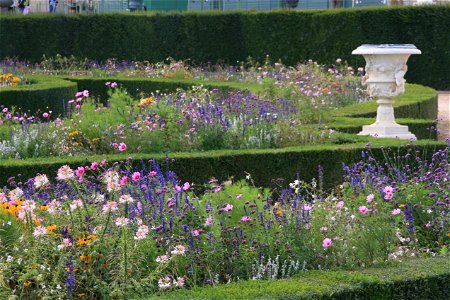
385	68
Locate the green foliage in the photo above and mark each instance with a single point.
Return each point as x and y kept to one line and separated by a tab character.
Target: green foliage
44	94
292	36
411	279
222	164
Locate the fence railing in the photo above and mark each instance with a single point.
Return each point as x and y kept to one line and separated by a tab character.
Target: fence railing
106	6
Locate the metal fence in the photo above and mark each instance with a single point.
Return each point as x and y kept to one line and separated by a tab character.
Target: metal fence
107	6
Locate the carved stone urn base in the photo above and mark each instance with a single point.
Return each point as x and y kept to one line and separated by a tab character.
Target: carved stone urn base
385	126
388	131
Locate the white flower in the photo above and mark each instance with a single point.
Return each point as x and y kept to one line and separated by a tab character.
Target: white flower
126	199
65	173
40	181
122	222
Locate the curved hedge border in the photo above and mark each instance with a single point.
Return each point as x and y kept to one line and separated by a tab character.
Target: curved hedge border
45	93
292	36
263	164
413	279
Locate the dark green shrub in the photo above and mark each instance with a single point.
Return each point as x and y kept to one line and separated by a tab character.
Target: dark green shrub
45	93
293	36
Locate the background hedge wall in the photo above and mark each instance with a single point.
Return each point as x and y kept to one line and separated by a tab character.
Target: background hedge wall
413	279
293	36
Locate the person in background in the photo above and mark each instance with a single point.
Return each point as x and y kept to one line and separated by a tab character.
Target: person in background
21	5
52	5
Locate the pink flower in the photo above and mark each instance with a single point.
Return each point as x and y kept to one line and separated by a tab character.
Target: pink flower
164	283
152	173
238	196
85	93
388	189
370	197
323	228
78	106
186	186
179	282
40	181
179	250
162	259
114	84
396	211
108	83
245	219
103	162
141	232
122	222
136	176
363	210
177	188
122	147
126	199
65	173
327	243
67	242
109	206
195	232
124	180
209	221
338	60
307	207
45	115
5	110
79	171
75	204
94	165
340	204
228	207
39	230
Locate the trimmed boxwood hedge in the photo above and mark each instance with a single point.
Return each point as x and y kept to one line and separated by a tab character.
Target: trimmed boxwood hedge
44	93
413	279
263	164
292	36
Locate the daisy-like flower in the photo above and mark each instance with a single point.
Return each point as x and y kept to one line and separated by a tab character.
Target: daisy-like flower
370	197
363	209
122	147
245	219
227	207
209	221
396	211
40	181
327	243
136	176
340	204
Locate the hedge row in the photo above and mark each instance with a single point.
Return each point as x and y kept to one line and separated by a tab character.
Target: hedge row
263	164
413	279
292	36
44	93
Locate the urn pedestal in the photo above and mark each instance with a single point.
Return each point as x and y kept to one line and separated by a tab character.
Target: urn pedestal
385	68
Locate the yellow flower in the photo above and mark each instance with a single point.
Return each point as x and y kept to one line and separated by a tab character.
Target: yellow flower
74	133
84	242
146	101
27	283
85	257
51	228
402	205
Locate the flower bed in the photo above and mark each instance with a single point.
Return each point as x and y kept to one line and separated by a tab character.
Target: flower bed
113	231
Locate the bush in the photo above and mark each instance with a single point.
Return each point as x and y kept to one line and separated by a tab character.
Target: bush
222	164
292	36
45	93
412	279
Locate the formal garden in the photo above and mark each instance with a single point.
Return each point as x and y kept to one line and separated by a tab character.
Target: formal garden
154	157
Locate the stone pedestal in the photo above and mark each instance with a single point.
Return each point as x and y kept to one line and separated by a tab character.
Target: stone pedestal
385	68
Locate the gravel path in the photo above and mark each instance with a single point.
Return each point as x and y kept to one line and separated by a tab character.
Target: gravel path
443	115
